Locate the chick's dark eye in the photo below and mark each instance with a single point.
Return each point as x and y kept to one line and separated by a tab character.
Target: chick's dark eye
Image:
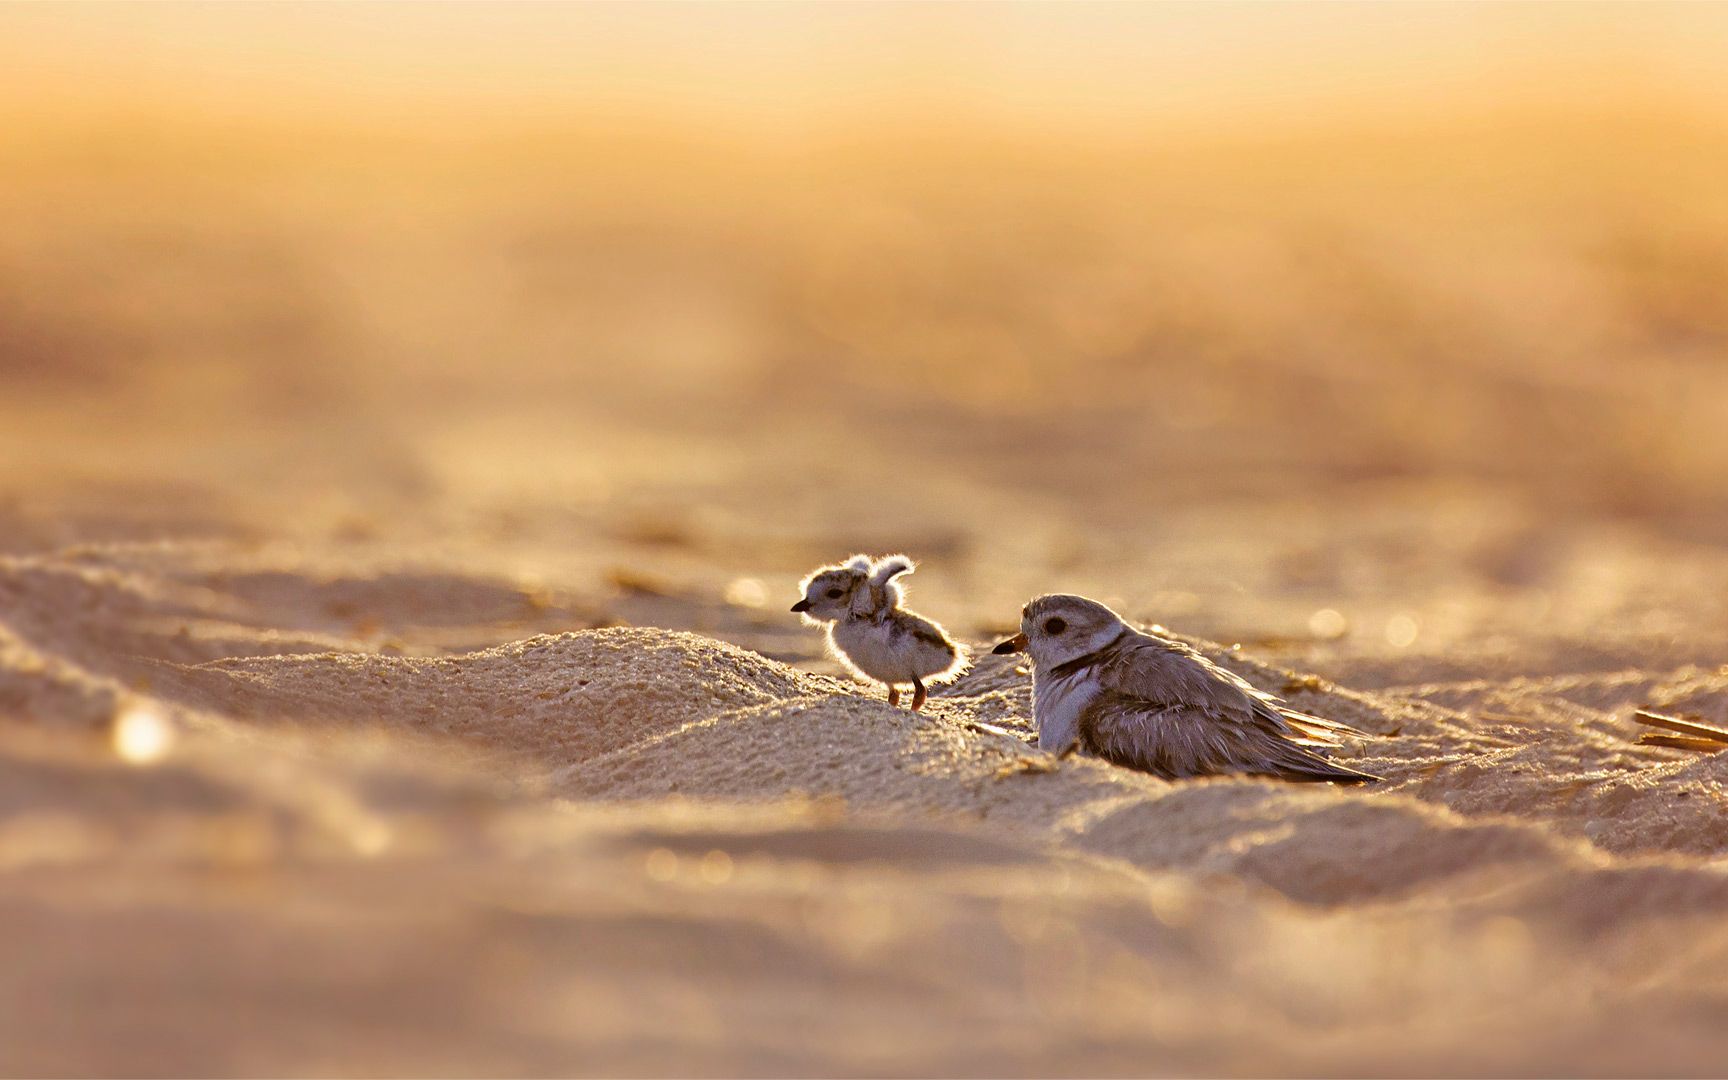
1054	626
834	594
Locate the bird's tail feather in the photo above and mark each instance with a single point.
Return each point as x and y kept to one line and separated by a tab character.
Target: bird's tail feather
1318	728
1301	765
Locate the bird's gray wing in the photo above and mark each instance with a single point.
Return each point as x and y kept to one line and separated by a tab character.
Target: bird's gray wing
1160	669
1179	739
909	622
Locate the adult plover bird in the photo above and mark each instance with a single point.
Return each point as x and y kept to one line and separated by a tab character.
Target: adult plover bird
1154	704
871	633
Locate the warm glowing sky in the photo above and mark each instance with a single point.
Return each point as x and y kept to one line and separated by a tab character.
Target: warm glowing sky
794	62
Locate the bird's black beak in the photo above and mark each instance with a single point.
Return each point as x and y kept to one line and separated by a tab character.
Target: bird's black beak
802	605
1015	644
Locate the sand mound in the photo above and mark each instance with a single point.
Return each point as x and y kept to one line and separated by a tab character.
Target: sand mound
635	715
672	838
43	688
556	699
1314	845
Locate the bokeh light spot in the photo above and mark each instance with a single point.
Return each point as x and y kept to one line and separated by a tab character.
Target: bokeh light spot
142	735
747	592
1401	631
1328	623
716	868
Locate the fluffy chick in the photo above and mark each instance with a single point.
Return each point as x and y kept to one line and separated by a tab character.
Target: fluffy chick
868	631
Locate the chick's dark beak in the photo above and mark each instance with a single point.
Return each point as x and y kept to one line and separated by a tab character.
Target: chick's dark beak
1015	644
802	605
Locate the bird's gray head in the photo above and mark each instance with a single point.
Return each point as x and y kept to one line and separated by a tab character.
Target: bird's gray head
1058	628
833	592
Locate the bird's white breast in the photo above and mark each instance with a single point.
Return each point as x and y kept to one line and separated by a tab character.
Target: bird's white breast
867	647
1057	702
874	650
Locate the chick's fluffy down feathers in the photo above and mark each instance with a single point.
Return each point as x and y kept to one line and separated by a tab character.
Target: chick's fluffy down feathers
899	647
885	594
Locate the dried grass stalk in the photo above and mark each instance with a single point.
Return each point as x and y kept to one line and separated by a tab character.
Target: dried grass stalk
1690	728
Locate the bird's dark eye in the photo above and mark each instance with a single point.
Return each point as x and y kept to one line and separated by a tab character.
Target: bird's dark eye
1054	626
834	594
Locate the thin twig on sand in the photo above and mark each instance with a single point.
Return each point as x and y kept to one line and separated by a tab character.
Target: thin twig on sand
1681	742
991	729
1694	731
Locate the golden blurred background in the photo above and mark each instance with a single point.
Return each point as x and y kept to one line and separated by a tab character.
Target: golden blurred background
346	349
872	265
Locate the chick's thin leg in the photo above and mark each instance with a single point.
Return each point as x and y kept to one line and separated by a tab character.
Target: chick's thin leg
893	694
918	694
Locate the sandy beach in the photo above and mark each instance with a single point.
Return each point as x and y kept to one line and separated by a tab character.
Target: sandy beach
398	522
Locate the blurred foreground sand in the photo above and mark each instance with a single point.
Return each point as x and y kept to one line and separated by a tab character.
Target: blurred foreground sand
355	462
